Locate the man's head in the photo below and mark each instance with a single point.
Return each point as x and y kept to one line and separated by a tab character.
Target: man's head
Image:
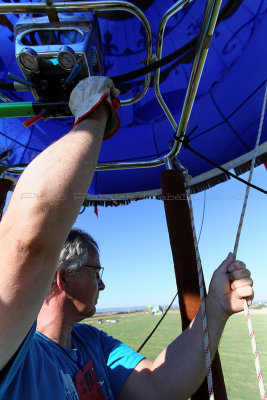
76	250
78	279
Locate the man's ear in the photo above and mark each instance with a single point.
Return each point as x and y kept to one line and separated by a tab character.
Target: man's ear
60	279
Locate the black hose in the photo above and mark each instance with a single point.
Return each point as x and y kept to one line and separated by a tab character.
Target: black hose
7	85
227	11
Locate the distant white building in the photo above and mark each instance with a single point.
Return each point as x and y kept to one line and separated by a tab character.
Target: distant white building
157	310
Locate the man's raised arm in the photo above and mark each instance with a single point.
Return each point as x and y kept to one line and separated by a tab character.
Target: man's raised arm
42	210
180	369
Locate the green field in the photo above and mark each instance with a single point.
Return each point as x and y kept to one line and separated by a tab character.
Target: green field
235	347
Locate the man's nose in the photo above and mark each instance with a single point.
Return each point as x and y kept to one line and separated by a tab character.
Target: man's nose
101	285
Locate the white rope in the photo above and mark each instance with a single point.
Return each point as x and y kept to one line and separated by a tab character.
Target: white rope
248	317
203	304
201	278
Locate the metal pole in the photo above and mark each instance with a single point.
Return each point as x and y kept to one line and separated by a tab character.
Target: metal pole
5	186
208	25
78	6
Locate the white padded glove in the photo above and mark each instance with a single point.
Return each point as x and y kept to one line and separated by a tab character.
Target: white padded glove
88	94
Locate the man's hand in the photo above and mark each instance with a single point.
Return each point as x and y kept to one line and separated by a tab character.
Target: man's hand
230	284
180	369
89	94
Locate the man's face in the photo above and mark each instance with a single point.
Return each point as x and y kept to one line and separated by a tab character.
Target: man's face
83	289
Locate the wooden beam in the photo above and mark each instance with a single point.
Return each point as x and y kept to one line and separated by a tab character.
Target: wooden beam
185	266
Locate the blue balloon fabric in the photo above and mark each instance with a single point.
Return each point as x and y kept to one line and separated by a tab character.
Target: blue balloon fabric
225	116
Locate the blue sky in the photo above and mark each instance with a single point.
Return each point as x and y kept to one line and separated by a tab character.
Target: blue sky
135	249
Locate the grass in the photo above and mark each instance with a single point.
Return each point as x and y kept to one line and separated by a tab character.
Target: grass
235	346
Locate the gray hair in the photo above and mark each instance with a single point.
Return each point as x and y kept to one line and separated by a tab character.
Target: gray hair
75	251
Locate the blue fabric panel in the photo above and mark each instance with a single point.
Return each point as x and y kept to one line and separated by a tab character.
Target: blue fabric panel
228	102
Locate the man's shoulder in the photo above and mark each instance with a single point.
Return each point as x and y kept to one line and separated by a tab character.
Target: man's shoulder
86	329
81	326
87	332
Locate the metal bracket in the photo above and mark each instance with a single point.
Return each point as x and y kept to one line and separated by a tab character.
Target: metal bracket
206	33
50	8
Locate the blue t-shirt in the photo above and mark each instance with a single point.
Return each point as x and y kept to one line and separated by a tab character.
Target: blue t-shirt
97	366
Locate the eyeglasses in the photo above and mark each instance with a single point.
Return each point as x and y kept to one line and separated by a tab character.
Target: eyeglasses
99	272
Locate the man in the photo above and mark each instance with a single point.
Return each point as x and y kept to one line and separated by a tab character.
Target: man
63	361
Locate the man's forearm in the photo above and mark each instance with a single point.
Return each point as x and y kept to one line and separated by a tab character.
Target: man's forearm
180	369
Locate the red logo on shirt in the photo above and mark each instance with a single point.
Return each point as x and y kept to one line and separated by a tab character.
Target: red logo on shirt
86	383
